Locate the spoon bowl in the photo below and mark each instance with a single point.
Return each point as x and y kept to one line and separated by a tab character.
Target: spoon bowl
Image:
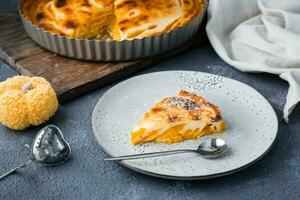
212	148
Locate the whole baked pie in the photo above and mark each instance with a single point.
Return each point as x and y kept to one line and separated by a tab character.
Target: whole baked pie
175	119
111	19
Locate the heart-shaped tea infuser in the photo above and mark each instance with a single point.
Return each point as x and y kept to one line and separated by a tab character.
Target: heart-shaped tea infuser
48	148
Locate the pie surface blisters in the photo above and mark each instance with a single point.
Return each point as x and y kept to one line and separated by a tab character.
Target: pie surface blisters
109	19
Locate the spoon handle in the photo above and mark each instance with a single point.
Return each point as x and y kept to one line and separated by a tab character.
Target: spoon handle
149	155
14	169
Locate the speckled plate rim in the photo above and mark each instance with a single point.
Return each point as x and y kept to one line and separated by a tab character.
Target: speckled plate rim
190	178
187	178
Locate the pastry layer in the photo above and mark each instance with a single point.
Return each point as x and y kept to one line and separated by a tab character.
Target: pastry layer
175	119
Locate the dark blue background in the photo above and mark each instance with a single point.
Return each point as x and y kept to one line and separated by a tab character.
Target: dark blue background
87	176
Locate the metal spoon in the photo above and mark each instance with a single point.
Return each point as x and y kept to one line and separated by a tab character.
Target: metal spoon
211	148
48	148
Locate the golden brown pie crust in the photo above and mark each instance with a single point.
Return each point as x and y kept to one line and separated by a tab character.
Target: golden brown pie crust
110	19
174	119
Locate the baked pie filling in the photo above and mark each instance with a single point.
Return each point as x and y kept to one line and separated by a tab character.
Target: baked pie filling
111	19
175	119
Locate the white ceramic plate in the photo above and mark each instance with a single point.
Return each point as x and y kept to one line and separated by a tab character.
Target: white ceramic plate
252	123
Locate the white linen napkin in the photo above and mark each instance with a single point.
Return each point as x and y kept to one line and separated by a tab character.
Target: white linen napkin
259	36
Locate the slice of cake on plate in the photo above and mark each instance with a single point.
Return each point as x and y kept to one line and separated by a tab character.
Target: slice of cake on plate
175	119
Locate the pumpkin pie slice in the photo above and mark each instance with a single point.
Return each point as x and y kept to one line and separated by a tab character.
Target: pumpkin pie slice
175	119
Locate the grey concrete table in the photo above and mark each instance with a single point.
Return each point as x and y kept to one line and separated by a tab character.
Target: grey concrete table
86	176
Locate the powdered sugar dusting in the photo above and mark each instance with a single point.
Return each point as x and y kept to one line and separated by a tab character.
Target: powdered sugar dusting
183	102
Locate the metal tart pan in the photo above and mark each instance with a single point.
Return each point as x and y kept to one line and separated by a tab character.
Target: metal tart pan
102	50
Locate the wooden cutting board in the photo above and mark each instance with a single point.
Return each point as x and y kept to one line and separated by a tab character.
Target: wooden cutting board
69	77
